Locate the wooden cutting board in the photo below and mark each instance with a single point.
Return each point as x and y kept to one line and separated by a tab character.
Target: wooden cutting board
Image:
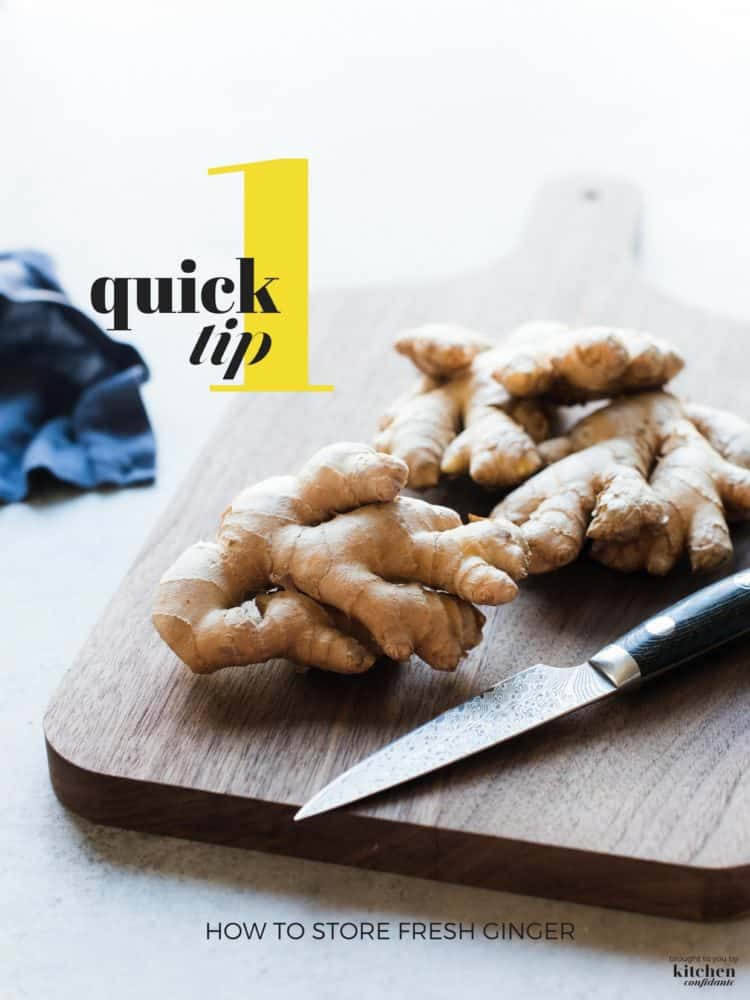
642	802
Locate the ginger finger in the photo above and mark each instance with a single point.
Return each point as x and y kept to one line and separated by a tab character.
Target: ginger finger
404	618
702	489
207	637
424	384
476	561
313	634
341	477
441	349
725	432
494	449
555	507
572	366
443	649
419	430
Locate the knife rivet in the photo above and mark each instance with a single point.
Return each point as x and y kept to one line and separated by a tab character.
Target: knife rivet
742	579
661	625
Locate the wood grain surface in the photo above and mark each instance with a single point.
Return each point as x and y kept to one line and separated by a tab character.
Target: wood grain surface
642	802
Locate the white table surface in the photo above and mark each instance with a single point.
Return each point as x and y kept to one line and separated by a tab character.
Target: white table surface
428	126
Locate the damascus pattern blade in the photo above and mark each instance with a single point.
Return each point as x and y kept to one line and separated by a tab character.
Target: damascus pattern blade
521	702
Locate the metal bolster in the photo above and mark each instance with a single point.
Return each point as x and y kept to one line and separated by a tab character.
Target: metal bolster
617	665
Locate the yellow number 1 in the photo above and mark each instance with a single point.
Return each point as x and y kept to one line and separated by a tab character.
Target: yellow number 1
275	235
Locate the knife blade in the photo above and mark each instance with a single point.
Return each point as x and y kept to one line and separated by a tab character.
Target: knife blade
537	695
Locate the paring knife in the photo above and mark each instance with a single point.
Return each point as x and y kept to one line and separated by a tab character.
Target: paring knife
695	625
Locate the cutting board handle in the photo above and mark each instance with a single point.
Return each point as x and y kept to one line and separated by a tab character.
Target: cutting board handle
582	233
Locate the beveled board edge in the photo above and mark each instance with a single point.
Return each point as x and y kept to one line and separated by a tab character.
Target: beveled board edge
346	838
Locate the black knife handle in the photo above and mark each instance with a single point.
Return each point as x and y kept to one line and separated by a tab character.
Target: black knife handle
698	623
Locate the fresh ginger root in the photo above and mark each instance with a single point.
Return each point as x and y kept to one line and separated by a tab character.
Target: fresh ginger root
364	572
645	478
483	408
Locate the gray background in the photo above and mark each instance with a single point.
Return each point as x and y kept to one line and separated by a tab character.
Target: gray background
428	127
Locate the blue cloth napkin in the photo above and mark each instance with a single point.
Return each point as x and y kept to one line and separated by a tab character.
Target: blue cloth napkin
70	400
